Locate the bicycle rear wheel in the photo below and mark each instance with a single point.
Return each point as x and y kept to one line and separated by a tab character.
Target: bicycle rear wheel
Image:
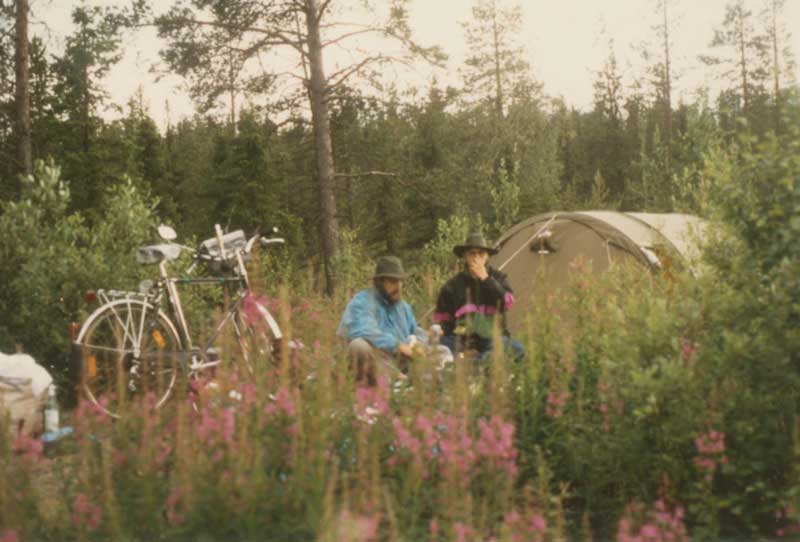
126	348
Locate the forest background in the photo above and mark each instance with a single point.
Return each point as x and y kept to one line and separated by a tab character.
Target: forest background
669	411
343	157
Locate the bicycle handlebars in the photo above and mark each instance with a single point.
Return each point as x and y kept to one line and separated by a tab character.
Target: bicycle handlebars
224	248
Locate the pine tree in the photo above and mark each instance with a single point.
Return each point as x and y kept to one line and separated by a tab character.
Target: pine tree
745	63
781	58
90	52
249	30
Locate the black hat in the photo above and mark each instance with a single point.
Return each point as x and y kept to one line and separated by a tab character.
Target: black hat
389	266
474	240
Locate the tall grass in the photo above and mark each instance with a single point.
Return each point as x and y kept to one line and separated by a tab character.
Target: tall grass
615	426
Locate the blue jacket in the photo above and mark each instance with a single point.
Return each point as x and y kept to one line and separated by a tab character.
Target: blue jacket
384	325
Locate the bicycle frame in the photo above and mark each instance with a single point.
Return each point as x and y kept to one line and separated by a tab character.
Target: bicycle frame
199	361
151	303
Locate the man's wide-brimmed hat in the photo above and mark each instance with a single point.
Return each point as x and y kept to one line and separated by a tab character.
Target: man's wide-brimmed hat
474	240
391	267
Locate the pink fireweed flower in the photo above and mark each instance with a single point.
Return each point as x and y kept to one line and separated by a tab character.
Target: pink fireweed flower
119	458
711	449
688	351
89	416
405	439
538	523
711	443
9	535
228	425
30	448
528	528
790	526
447	442
282	403
496	444
209	425
454	445
174	506
249	394
85	514
252	306
433	528
428	432
556	401
357	528
705	463
372	401
660	524
214	426
463	533
163	453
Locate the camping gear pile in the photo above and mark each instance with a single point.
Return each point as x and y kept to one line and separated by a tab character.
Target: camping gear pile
25	387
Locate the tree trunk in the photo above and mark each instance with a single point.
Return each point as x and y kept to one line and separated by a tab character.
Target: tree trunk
667	90
743	63
498	77
776	70
389	226
232	92
22	97
322	143
85	108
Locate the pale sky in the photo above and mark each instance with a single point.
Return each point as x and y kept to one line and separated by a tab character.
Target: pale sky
561	39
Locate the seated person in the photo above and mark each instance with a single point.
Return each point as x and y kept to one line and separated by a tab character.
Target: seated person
381	326
469	303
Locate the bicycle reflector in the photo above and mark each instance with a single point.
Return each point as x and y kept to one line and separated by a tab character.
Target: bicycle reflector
90	296
91	366
158	338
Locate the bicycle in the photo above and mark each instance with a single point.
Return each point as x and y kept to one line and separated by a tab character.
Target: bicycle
139	341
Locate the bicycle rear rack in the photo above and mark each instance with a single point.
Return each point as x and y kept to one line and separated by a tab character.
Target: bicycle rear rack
106	296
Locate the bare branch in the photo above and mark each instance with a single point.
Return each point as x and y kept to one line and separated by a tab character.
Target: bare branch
273	37
322	9
368	174
335	24
343	37
344	74
290	120
304	56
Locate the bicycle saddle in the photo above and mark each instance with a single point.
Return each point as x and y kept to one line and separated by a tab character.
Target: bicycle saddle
158	253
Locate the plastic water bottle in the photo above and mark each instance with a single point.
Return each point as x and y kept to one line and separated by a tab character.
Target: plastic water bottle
51	420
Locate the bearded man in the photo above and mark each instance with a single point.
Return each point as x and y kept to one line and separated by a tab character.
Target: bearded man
381	326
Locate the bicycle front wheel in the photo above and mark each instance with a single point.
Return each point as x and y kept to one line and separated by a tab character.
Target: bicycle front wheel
127	347
259	335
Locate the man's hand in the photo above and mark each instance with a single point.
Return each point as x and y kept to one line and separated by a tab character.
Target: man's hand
478	270
405	350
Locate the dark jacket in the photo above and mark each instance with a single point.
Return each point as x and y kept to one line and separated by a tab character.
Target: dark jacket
467	307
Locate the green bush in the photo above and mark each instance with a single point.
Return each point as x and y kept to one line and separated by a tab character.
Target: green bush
49	257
